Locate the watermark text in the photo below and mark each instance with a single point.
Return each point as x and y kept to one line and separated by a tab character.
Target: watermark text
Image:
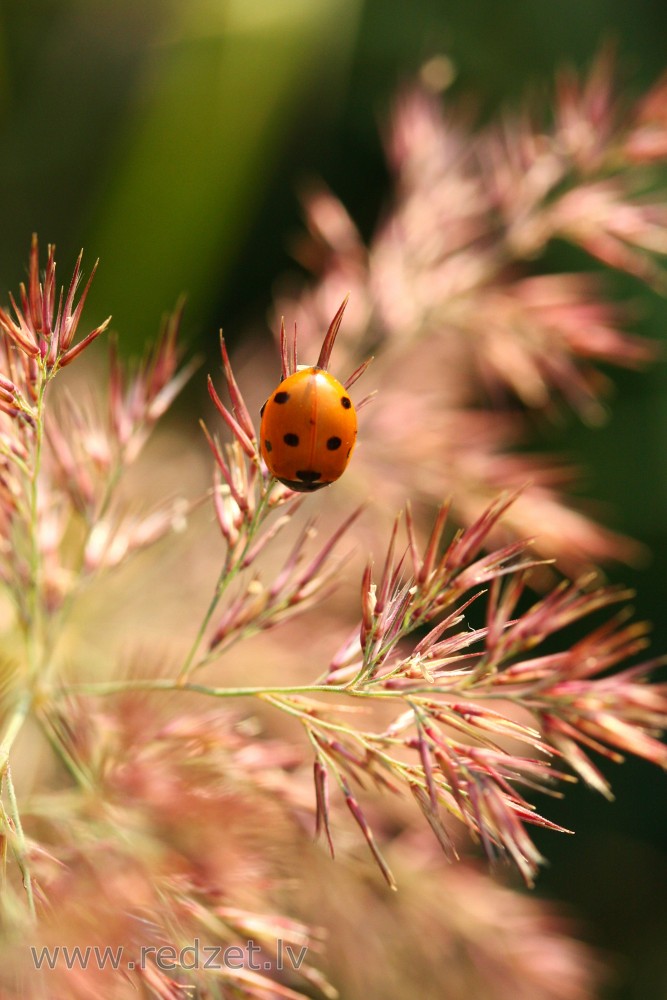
167	958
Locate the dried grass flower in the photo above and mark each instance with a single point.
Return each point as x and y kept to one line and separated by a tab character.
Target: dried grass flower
476	340
159	810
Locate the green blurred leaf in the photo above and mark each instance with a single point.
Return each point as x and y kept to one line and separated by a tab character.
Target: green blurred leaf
207	130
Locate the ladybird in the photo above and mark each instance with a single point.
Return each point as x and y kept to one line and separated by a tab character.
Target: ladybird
308	430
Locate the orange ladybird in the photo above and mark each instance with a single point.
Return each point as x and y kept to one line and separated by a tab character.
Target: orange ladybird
308	430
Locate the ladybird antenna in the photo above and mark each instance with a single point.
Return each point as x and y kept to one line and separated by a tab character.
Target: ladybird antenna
294	364
332	332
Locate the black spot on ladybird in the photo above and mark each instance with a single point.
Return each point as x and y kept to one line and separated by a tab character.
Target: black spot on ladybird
308	475
281	397
291	439
346	402
261	412
334	443
268	445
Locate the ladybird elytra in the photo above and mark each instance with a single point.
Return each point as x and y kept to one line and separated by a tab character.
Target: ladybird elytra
308	430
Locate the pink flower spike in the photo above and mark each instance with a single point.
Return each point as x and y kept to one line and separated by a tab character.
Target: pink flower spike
367	605
7	386
412	540
69	301
356	374
450	774
434	821
498	563
327	548
231	422
293	559
473	538
455	618
268	536
284	360
232	617
627	736
48	295
294	351
11	411
224	468
74	352
359	817
393	613
71	320
239	409
332	333
579	761
165	396
20	334
32	301
41	330
425	756
287	359
228	514
433	544
388	574
321	777
53	335
503	599
161	362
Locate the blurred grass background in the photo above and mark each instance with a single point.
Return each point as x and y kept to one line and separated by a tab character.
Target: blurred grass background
170	140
